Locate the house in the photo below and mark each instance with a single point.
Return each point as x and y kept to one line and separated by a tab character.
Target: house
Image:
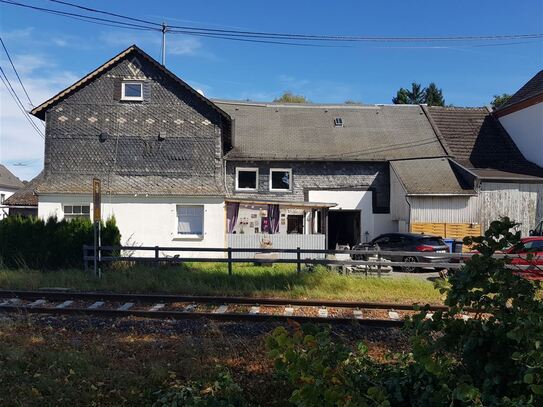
9	183
491	178
522	117
24	202
178	169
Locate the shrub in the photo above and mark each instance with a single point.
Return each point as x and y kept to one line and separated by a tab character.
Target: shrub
495	358
34	243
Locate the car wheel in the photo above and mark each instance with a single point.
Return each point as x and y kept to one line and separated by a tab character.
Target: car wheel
409	269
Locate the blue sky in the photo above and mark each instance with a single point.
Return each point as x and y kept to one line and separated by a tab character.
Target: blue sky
51	52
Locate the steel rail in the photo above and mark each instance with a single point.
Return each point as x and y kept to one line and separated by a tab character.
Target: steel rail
381	323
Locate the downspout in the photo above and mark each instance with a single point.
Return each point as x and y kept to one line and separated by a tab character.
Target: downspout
409	216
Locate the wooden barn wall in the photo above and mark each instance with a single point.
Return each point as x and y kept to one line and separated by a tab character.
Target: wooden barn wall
520	202
446	209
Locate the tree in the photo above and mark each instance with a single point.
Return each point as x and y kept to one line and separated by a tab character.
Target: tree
434	95
415	96
289	97
499	100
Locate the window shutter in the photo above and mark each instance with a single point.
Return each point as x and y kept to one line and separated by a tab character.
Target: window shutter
146	91
117	89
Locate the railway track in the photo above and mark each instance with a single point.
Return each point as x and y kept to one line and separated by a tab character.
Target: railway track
211	307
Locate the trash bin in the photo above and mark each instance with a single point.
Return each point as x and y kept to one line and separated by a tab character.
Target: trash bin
449	243
457	246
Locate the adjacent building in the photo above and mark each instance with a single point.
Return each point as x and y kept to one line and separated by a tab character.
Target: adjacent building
9	184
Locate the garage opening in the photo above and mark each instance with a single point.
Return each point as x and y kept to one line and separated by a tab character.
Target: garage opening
343	228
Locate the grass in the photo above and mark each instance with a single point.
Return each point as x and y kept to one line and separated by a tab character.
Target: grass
279	280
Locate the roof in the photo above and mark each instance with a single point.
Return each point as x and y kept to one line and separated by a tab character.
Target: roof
530	90
39	111
497	175
279	131
477	140
8	180
26	196
434	176
305	204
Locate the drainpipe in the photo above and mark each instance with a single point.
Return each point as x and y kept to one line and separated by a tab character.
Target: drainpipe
409	216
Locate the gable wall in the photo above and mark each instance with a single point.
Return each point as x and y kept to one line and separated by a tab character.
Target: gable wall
192	129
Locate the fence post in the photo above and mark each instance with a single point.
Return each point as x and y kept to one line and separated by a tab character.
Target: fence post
229	261
85	260
298	260
379	259
156	256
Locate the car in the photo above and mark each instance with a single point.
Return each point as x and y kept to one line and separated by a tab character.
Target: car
538	230
427	245
528	253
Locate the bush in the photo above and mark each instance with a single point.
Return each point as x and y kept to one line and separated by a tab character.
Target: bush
495	358
33	243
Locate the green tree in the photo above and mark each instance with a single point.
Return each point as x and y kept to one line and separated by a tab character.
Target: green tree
415	96
289	97
434	95
499	100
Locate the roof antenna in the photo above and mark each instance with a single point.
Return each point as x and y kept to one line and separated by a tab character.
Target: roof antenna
164	29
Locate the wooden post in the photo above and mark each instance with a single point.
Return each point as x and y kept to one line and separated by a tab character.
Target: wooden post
156	256
229	261
379	259
85	260
95	257
298	260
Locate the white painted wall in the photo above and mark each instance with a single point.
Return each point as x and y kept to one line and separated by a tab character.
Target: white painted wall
7	192
526	129
374	224
149	221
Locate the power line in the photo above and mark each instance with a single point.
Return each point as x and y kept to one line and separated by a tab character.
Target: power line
13	94
16	73
259	36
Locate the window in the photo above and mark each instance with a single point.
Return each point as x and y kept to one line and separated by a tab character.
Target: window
132	91
280	179
295	224
76	211
338	122
533	245
247	179
190	220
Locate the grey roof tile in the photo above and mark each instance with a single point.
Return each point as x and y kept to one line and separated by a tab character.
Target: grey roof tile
530	89
429	176
7	179
306	131
26	196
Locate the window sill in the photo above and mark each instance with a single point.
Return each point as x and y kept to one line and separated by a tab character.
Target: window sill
188	237
246	190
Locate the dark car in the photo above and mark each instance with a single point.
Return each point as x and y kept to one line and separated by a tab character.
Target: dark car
426	245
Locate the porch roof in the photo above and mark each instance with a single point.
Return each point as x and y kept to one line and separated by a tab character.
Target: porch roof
284	203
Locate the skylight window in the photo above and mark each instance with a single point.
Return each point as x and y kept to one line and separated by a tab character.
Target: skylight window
338	122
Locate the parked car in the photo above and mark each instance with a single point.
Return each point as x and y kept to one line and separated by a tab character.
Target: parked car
538	230
426	245
528	253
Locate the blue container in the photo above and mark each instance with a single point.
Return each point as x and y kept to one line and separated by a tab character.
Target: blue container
449	243
457	246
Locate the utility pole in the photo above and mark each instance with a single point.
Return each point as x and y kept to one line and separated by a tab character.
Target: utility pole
164	29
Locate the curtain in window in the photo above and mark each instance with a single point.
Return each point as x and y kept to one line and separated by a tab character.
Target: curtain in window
274	216
232	211
190	220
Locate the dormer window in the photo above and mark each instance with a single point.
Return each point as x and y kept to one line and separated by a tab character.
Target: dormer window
132	90
338	122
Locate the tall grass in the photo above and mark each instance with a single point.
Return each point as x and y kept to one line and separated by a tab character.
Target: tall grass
277	280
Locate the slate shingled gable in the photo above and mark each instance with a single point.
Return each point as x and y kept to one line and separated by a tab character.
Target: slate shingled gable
169	144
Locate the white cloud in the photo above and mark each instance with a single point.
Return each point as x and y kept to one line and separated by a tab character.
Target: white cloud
21	148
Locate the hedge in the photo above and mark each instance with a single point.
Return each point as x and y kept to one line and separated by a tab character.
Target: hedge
30	242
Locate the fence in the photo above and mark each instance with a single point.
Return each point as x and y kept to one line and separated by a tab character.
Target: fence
316	242
370	259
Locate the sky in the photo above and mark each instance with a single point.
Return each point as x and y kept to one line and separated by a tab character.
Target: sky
51	52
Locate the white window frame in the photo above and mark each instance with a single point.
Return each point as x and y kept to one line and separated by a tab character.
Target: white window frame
248	169
132	98
289	170
198	236
69	216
